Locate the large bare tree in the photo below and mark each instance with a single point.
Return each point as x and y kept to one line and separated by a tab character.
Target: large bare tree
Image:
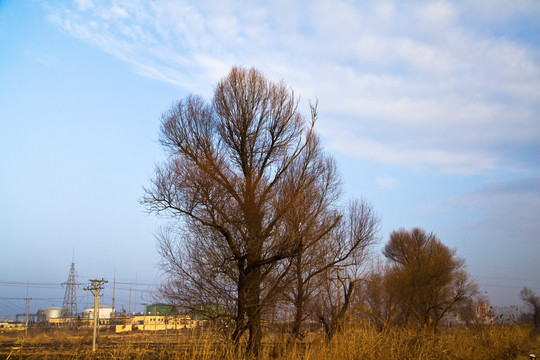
237	167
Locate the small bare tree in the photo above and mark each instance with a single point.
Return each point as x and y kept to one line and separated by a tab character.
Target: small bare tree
533	302
373	299
325	255
425	278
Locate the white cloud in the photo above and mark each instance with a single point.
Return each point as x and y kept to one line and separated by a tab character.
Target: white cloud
438	14
44	59
387	182
119	12
83	5
449	161
415	84
512	208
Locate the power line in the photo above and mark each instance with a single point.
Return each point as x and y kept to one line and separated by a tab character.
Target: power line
13	307
34	298
29	284
509	286
507	278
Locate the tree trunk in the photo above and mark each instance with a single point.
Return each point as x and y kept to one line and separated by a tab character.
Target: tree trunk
253	311
337	322
255	334
298	317
240	309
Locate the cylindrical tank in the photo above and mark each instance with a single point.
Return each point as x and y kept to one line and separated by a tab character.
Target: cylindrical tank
52	312
104	312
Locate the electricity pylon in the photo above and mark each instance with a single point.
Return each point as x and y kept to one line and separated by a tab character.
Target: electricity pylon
69	307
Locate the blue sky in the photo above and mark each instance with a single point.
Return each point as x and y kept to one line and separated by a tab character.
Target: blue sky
432	110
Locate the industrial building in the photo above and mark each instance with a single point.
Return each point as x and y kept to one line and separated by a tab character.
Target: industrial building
104	312
155	317
158	323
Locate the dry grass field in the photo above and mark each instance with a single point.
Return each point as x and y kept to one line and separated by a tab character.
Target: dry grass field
361	342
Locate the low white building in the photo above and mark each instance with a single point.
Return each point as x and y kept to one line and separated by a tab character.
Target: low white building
158	322
104	312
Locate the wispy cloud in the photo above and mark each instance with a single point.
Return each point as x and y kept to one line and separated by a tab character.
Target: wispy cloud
420	84
512	208
387	182
44	59
453	162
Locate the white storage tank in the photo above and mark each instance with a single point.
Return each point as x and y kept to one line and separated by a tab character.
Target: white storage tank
104	312
52	312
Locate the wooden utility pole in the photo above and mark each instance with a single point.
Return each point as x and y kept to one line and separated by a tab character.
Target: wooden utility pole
26	321
97	286
113	291
339	287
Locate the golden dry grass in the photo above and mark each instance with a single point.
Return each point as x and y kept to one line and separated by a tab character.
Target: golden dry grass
359	342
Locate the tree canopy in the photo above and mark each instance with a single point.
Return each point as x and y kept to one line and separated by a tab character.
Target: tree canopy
251	189
425	278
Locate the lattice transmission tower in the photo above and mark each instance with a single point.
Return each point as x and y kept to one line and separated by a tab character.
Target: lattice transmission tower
69	308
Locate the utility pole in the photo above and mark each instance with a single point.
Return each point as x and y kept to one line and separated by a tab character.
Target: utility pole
155	318
113	291
27	301
26	321
97	286
339	287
